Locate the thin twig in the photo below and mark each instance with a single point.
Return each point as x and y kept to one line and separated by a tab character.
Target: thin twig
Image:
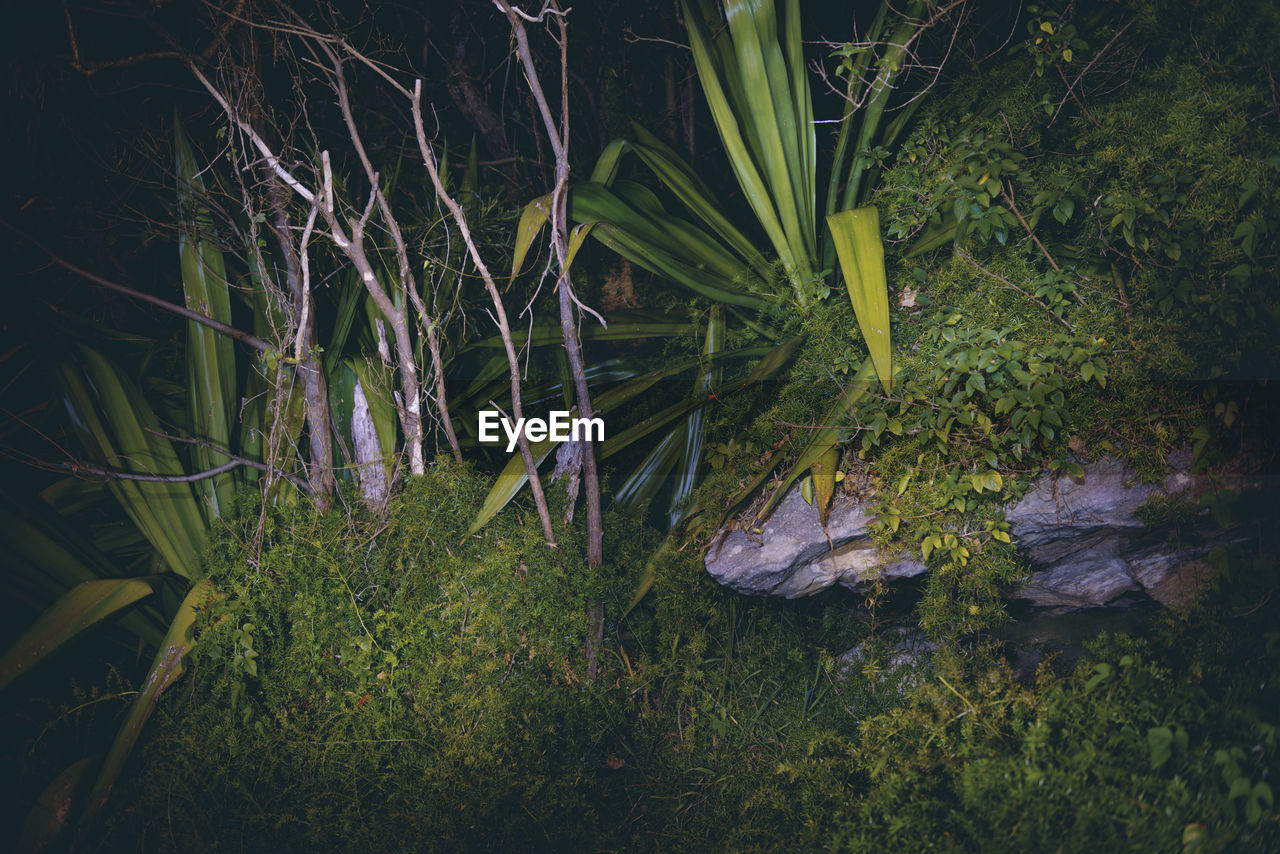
234	463
217	326
1012	286
500	313
1006	191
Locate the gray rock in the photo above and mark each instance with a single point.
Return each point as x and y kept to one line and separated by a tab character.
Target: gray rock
1082	538
1105	498
793	556
1084	541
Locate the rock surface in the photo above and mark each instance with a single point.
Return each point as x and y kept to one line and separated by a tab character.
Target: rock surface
793	556
1082	538
902	653
1085	544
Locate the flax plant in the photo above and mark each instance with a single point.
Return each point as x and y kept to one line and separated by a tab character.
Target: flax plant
750	61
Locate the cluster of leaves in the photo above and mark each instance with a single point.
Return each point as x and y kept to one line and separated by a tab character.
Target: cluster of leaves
394	667
1124	753
985	393
966	171
1166	201
1086	289
418	686
985	396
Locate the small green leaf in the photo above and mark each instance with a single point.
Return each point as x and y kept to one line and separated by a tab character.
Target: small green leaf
1160	743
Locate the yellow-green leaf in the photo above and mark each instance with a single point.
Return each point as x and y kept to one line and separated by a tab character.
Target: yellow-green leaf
536	214
824	480
856	234
576	238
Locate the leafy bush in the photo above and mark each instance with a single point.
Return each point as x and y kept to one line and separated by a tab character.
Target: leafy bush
392	669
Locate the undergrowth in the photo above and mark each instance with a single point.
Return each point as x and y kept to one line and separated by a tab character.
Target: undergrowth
415	689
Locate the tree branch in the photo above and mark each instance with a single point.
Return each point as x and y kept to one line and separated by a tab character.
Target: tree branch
500	313
217	326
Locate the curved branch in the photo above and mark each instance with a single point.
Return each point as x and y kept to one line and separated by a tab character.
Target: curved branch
217	326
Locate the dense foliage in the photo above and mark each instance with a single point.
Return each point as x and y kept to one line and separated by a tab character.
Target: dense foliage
421	690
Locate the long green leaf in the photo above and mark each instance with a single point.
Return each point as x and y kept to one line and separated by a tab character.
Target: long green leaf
682	180
762	110
351	297
650	573
823	472
211	366
167	666
53	815
939	235
646	479
39	559
633	223
682	445
513	476
126	436
606	168
856	235
535	215
622	327
78	609
680	235
695	426
45	556
823	439
732	135
510	481
879	95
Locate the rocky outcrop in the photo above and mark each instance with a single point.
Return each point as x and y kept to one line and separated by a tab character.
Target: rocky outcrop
1083	540
791	555
1086	546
